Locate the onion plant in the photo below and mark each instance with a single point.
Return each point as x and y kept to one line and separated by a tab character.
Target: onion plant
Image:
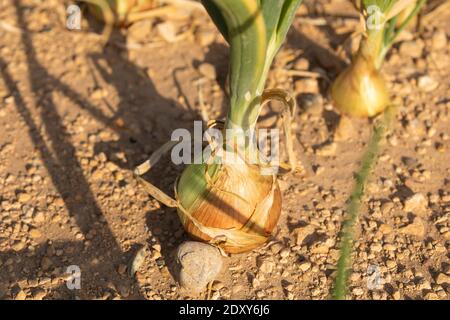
234	204
360	90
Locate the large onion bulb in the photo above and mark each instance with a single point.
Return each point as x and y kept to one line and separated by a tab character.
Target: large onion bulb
238	204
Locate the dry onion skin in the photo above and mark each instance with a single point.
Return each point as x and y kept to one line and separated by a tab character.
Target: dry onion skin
360	90
121	10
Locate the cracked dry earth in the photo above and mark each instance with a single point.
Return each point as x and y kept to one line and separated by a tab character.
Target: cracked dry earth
76	119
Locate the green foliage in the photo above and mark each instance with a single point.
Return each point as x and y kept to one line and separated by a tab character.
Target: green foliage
217	17
255	30
385	14
285	21
246	34
391	32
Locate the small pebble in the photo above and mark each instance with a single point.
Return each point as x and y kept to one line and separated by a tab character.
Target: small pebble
304	266
427	84
24	197
442	278
205	37
217	285
358	291
265	266
35	233
284	253
167	31
21	295
276	248
208	70
417	204
416	228
302	233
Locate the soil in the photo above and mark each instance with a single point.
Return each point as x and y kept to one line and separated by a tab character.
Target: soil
78	116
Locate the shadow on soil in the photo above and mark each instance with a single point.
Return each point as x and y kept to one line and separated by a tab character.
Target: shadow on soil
143	119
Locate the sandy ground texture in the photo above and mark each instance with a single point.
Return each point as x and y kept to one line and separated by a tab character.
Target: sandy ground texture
76	118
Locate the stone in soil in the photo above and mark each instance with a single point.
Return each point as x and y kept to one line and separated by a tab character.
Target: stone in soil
35	233
24	197
21	295
308	85
417	204
442	278
38	217
302	232
301	64
217	285
417	228
276	248
265	265
19	245
137	261
427	83
304	266
200	264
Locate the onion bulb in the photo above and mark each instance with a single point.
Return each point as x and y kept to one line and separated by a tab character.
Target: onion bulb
237	203
360	90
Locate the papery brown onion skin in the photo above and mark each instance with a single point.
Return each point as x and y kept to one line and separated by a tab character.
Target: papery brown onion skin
230	202
360	90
